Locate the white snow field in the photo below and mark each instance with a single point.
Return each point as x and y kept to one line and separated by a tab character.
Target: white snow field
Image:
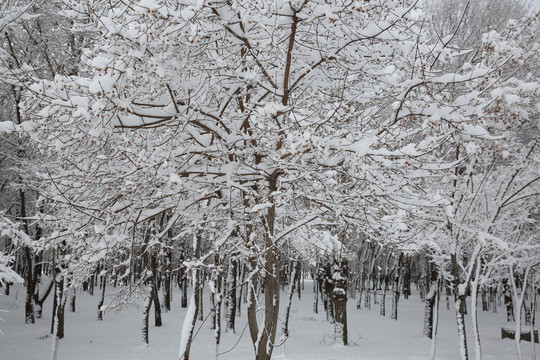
371	336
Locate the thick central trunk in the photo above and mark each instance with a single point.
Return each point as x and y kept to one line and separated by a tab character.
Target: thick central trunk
460	308
340	275
266	341
264	337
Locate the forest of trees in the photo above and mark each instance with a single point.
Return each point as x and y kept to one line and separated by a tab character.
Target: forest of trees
238	147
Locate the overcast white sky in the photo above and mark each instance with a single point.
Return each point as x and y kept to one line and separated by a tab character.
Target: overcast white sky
537	3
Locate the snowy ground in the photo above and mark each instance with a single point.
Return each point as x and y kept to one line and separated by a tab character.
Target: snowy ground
117	337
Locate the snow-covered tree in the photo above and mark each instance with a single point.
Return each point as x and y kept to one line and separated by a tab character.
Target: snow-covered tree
246	121
494	188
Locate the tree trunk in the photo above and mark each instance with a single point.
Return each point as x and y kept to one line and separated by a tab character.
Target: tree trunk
231	296
527	313
299	285
72	300
102	299
328	291
448	293
396	287
241	277
382	303
315	277
167	283
474	312
264	340
292	289
252	304
485	297
40	300
217	309
460	308
460	319
431	298
406	277
55	305
386	279
146	314
200	311
508	301
154	294
340	276
315	292
435	325
157	306
55	297
493	298
213	303
91	285
58	316
184	289
533	317
191	315
360	291
29	303
30	284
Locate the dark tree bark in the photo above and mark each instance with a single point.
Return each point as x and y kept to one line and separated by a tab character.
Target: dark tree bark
292	289
155	295
431	298
340	276
55	305
508	301
460	307
217	308
102	298
37	271
215	296
315	288
72	300
91	285
485	299
406	277
146	314
527	313
201	295
167	282
448	293
40	300
183	281
189	323
396	287
29	303
328	291
231	296
30	284
299	285
184	301
157	307
493	298
263	341
241	278
58	315
385	281
58	319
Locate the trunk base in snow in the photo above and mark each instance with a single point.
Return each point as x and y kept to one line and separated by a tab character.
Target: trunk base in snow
507	333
